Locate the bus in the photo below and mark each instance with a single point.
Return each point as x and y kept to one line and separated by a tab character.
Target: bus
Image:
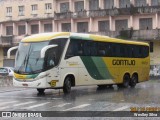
62	60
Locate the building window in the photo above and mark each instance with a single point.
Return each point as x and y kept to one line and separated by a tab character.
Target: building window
34	29
93	4
66	27
48	7
151	46
82	27
103	26
108	4
9	11
9	30
64	7
145	23
34	7
121	25
21	10
140	3
48	27
21	30
124	3
79	6
155	2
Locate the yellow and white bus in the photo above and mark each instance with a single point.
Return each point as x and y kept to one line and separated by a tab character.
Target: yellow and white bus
63	60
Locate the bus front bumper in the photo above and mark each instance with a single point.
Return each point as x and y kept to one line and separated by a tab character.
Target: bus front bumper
41	83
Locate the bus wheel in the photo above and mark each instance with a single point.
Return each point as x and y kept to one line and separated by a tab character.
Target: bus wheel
67	85
133	81
40	90
126	81
102	86
110	86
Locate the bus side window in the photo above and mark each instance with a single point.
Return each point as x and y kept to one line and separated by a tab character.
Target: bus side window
129	51
72	49
86	48
108	50
102	49
93	48
145	51
80	48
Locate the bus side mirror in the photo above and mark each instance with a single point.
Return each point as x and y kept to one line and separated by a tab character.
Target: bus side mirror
44	49
9	51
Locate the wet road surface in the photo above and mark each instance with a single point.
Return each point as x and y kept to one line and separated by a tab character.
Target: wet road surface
82	98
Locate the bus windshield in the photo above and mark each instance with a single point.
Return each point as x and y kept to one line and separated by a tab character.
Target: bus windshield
28	59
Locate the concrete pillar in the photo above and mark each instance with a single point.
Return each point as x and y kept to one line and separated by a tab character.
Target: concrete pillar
27	28
71	5
101	4
132	2
53	26
110	23
86	4
116	3
14	29
72	25
90	24
148	2
40	27
54	6
131	21
156	23
0	29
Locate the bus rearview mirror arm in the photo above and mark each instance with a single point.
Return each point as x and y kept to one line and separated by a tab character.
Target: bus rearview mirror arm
9	51
44	49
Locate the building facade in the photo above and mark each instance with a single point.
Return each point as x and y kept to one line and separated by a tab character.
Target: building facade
126	19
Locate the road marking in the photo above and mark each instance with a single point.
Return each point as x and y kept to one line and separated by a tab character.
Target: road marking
34	106
2	108
24	103
77	107
61	105
3	103
121	108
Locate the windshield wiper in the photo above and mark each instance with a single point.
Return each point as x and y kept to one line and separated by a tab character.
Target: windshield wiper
18	71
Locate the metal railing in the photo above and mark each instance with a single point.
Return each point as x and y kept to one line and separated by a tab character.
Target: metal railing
153	34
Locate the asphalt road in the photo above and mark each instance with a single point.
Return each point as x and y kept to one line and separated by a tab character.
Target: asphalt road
145	95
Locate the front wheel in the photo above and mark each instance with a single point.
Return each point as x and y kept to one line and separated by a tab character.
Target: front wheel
67	85
40	90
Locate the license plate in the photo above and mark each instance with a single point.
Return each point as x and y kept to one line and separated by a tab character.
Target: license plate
26	85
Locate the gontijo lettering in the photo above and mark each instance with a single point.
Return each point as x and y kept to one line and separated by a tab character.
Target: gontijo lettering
123	62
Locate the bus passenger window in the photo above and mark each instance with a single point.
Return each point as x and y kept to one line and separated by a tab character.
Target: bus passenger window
102	53
80	48
86	48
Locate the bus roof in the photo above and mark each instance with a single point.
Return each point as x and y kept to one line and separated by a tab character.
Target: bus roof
48	36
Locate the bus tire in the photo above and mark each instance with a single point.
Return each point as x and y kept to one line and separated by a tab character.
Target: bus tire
40	90
133	80
126	81
102	86
67	85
